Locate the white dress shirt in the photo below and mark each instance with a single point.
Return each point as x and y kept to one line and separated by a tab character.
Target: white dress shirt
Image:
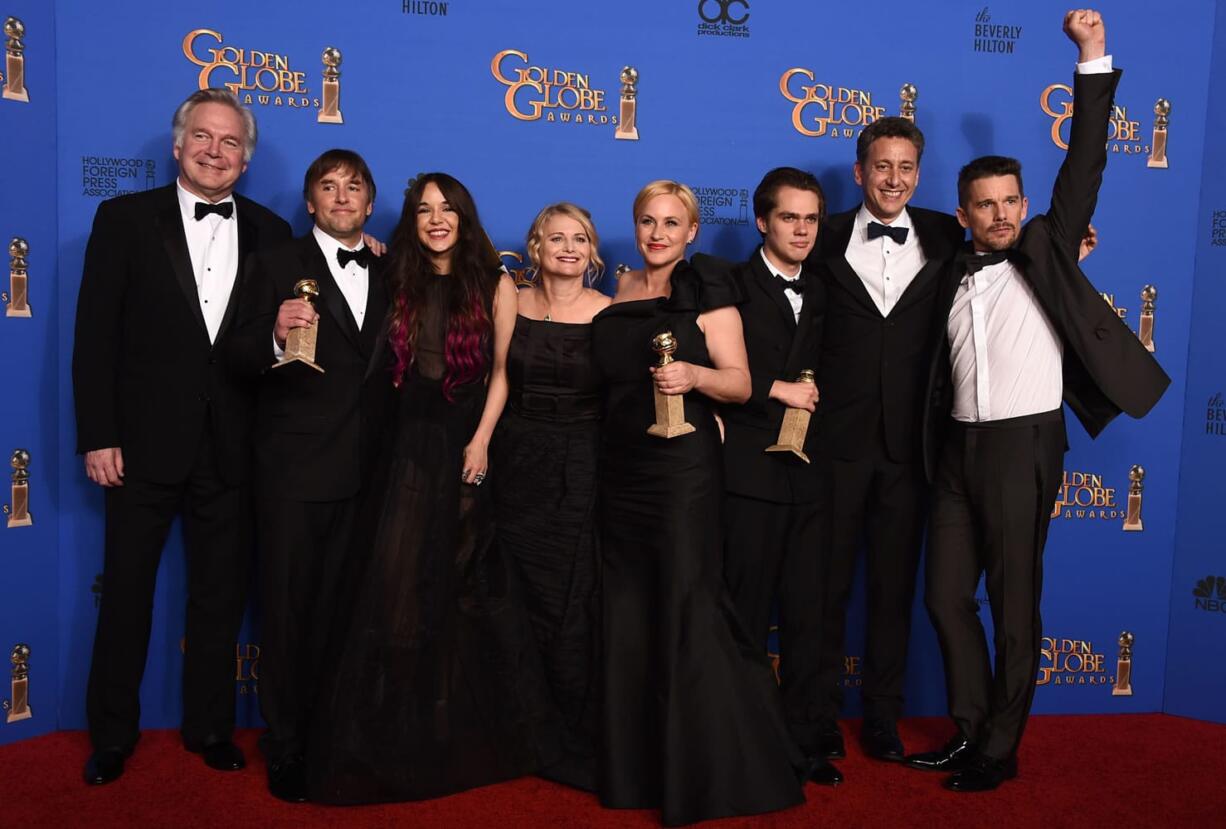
1007	360
212	243
353	280
795	298
884	266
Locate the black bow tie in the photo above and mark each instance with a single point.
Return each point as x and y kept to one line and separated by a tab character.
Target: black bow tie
876	230
797	284
224	209
976	262
361	256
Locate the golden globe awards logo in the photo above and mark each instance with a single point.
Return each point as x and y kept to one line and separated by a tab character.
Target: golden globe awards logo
1071	662
825	110
1125	135
536	93
1083	495
256	77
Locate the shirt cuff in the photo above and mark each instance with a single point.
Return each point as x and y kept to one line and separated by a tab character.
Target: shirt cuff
277	351
1098	66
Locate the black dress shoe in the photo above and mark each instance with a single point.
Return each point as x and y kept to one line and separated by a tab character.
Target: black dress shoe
824	773
287	780
955	756
830	741
104	766
983	774
223	756
879	739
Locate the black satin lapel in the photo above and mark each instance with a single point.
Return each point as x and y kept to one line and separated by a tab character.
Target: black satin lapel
170	228
316	266
769	286
376	308
851	281
919	285
804	327
247	245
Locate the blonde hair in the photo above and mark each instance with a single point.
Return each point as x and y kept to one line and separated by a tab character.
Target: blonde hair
667	187
580	215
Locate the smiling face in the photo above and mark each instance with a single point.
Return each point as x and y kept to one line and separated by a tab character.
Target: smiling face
790	230
211	155
565	247
662	230
438	226
994	211
888	176
340	202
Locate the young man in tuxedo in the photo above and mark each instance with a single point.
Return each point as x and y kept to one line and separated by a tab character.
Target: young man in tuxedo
878	264
771	509
314	436
994	444
163	424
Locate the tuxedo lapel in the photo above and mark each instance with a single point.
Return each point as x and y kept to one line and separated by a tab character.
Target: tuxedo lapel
169	224
376	307
316	266
768	285
804	325
834	250
248	244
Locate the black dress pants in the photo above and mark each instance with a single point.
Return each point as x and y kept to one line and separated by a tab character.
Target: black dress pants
875	499
773	552
303	550
217	535
993	492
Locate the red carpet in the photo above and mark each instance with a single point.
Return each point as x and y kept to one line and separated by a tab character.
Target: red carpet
1087	771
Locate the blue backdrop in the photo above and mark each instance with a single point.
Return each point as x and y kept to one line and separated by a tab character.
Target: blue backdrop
520	100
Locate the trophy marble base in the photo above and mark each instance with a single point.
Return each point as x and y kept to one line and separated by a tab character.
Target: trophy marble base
18	312
778	447
17	715
631	134
670	417
287	360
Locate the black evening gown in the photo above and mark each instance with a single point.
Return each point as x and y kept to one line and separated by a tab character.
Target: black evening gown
544	471
434	685
692	722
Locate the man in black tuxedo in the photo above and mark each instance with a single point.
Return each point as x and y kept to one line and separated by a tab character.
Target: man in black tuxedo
771	512
164	426
314	435
879	264
994	444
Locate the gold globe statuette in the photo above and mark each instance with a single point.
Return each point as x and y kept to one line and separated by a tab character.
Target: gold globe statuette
300	342
18	706
1157	148
670	408
627	122
15	62
19	511
907	95
330	106
795	426
1136	486
18	304
1123	666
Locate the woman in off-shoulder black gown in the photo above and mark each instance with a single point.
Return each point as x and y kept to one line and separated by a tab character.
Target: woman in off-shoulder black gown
544	473
692	723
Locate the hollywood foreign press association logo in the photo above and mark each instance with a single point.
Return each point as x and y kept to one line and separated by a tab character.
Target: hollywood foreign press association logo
1210	594
723	18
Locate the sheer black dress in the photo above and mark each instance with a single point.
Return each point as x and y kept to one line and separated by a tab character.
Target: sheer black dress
543	467
435	684
691	720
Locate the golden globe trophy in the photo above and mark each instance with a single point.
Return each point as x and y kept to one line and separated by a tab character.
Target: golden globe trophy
1132	520
907	95
19	511
18	707
330	109
670	408
19	286
300	342
627	124
1123	667
1145	328
795	425
1157	152
15	61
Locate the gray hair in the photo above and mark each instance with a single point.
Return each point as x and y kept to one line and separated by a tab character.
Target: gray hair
178	124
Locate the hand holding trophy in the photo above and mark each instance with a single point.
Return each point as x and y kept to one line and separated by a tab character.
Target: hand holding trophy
300	342
670	408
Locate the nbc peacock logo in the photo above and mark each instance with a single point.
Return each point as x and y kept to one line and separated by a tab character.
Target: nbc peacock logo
1210	594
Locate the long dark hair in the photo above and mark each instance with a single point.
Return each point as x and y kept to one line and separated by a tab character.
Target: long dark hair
469	327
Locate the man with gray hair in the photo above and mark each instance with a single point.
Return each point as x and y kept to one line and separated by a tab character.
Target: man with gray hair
164	427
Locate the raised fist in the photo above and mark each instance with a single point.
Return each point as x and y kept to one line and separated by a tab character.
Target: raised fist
1085	27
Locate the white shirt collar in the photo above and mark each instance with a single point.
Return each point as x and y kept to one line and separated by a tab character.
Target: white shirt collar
187	201
330	244
770	266
863	217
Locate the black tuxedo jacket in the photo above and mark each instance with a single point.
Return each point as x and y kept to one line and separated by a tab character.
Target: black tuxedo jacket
1106	369
145	376
780	346
873	368
315	433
